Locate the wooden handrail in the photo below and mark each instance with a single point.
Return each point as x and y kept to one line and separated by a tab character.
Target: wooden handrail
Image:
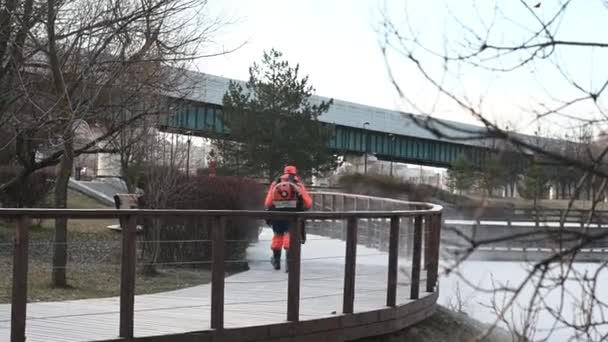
423	212
258	214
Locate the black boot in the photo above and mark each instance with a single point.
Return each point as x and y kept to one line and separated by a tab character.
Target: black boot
275	259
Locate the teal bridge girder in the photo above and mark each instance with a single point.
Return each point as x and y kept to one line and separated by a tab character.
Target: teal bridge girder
202	119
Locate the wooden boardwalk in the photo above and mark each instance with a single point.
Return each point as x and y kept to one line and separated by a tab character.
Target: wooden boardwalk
252	298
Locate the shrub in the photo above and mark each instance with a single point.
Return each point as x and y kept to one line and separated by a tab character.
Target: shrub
29	193
190	236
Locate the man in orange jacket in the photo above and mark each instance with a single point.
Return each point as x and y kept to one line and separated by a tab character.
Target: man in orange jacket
287	193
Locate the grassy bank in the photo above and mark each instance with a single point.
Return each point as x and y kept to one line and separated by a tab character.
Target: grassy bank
385	186
444	326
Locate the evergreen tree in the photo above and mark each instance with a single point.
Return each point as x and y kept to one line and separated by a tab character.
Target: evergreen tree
535	183
461	176
492	175
272	121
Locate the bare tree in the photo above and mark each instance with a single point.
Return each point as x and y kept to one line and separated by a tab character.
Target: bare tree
161	159
544	48
71	61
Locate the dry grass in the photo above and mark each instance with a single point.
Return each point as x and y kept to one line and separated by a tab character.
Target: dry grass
94	281
76	200
93	267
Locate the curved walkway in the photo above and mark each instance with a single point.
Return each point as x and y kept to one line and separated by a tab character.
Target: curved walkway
253	298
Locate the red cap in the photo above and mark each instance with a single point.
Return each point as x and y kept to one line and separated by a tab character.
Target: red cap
291	170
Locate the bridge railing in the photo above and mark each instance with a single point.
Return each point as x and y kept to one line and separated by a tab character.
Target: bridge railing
541	216
349	208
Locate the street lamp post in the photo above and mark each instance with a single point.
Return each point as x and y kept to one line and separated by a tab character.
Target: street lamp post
366	148
392	152
188	155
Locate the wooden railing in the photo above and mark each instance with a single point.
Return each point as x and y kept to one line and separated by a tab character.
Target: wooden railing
427	226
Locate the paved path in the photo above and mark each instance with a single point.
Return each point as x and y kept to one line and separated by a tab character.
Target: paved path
255	297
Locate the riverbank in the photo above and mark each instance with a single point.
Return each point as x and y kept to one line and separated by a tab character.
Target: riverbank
445	326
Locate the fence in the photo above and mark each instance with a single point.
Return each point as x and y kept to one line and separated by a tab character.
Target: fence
541	216
329	208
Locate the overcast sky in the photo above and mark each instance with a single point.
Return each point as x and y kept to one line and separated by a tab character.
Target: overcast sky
337	44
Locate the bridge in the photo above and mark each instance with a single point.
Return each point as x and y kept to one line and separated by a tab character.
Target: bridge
317	300
529	234
358	129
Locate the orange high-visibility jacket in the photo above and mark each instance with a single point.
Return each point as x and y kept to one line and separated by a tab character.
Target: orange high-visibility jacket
307	200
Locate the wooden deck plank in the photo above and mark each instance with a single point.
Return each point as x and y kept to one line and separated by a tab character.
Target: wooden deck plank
252	298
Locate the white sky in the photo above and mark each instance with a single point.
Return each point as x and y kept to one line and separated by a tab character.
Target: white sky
333	41
337	45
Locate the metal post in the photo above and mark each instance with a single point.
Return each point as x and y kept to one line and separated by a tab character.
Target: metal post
188	158
366	145
392	152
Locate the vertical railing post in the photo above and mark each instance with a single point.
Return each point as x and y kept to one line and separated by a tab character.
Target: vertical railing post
426	239
393	259
323	202
20	267
345	207
434	241
350	265
127	276
293	281
217	273
415	285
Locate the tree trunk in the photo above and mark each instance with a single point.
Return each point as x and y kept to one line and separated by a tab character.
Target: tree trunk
60	250
127	175
592	185
151	246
